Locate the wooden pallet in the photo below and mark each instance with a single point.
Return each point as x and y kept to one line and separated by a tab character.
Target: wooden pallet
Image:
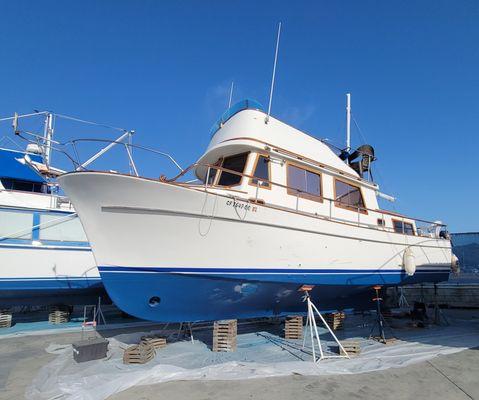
139	354
5	319
335	320
224	335
351	347
293	327
157	342
58	315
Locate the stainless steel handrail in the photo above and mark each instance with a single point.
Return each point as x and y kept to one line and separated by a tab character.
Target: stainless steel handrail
379	212
360	210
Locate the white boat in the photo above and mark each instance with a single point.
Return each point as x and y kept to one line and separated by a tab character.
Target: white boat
275	209
45	256
44	253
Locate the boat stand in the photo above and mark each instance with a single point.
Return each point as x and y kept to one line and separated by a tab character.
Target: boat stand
185	329
402	301
380	323
439	317
98	317
313	329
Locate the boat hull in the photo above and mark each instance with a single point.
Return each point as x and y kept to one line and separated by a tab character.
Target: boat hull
155	295
44	274
195	251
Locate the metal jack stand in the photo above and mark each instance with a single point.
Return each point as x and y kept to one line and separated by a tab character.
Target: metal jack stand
98	317
184	329
380	322
313	328
439	317
402	301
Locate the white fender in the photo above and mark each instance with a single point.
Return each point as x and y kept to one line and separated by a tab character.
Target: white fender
455	267
409	261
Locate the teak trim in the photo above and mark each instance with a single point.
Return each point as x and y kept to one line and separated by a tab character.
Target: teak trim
337	203
304	195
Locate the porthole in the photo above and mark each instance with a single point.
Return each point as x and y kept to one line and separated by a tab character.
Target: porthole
154	301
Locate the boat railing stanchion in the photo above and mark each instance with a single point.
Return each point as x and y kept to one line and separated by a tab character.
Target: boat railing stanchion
313	328
257	189
359	215
207	177
297	199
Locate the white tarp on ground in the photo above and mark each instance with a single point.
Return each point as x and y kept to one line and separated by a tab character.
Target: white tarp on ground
256	357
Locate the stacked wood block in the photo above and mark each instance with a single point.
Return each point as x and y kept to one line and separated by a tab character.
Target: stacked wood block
335	320
351	347
157	342
139	354
5	319
293	327
224	335
58	315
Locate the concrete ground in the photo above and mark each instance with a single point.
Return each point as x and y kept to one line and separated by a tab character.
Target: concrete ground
453	377
446	377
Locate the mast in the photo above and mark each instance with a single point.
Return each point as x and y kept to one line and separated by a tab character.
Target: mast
231	94
48	134
348	122
274	73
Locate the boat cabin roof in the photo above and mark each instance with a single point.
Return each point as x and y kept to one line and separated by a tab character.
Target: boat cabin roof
12	167
246	127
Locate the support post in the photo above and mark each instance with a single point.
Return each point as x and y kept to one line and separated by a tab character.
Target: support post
313	329
348	122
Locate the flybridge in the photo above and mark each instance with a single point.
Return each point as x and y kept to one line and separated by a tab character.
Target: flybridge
247	104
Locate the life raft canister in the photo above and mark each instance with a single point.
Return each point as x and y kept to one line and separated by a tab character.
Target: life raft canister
409	261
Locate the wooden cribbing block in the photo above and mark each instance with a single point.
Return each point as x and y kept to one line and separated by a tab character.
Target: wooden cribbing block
157	342
335	320
351	347
224	335
293	327
139	354
5	319
58	315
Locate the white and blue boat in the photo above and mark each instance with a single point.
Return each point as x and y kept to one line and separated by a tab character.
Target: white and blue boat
45	257
274	209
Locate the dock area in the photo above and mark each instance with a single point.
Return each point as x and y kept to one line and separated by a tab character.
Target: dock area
263	366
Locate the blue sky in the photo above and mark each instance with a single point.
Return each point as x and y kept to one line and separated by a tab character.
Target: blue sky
164	68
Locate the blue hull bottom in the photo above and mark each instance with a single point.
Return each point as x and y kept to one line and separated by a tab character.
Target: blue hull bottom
51	291
156	295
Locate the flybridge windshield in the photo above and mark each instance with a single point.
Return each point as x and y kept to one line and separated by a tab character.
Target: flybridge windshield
247	104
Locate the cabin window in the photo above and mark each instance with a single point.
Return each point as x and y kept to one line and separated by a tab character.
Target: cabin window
59	227
213	171
348	196
16	225
23	186
261	172
403	227
381	222
235	163
304	183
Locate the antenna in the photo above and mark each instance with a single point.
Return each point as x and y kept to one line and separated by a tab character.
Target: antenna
48	133
231	93
274	73
348	122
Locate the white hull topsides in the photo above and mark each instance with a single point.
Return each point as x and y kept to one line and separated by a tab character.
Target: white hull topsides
43	251
135	222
